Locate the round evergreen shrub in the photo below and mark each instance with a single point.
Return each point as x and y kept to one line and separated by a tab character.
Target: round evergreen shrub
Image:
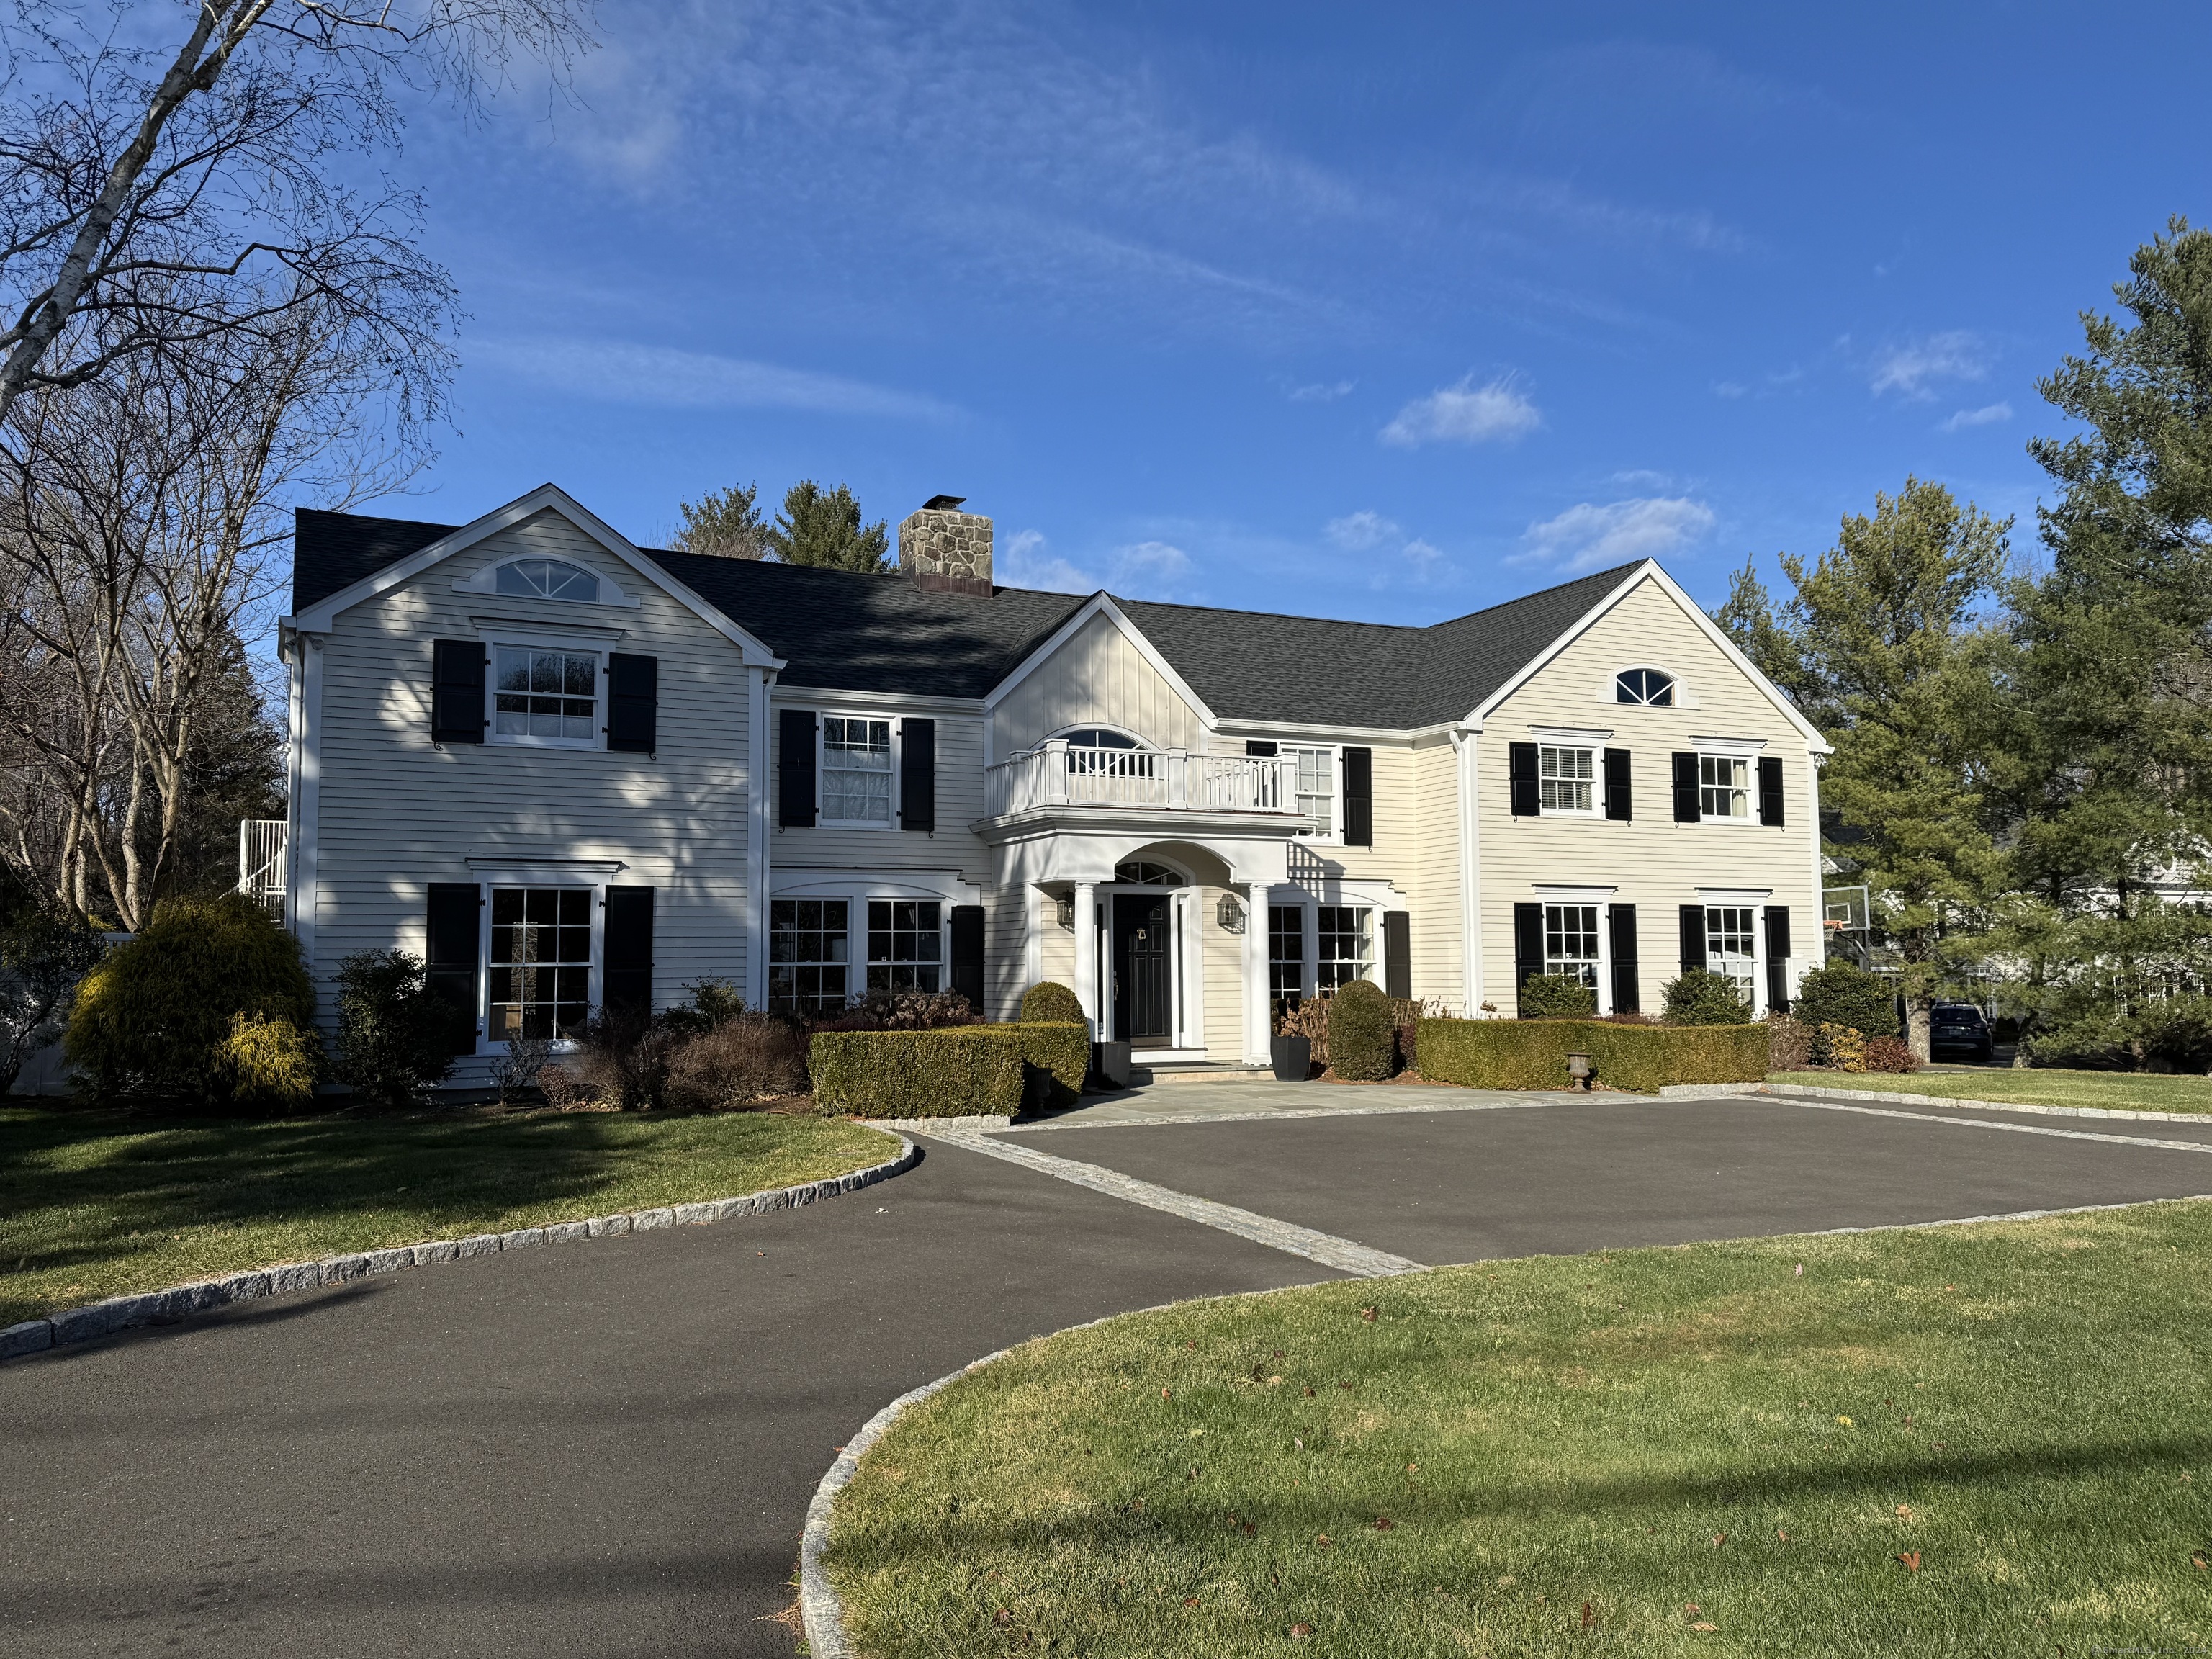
1557	996
1701	997
155	1016
1844	993
396	1037
1048	1002
1363	1032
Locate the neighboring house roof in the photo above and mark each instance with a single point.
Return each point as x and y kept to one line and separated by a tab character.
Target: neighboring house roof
839	629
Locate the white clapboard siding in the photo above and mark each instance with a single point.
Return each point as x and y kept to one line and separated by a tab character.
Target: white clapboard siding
952	845
1654	863
398	812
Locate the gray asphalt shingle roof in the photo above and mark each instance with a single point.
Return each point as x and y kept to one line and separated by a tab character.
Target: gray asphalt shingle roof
875	634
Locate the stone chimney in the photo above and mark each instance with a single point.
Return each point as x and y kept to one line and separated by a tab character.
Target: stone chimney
945	550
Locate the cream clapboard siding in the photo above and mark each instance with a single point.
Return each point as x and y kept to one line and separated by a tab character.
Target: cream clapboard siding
1222	964
1095	678
1657	864
952	845
1004	951
398	812
1437	920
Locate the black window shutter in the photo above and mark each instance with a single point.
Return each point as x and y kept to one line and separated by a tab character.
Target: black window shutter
457	691
1259	746
1693	937
1397	954
968	953
794	767
632	703
918	776
1777	956
1521	780
1619	802
626	950
1621	918
1770	790
1687	808
1528	947
1359	798
450	961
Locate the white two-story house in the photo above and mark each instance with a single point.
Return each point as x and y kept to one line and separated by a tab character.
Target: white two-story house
567	771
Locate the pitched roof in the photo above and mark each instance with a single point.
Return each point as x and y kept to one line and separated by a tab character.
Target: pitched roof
839	629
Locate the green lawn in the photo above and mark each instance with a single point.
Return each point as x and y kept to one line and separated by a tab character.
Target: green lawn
2133	1092
1710	1454
96	1203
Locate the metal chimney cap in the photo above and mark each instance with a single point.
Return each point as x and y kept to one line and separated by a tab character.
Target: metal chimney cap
943	504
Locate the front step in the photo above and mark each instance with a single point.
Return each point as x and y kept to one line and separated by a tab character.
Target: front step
1201	1071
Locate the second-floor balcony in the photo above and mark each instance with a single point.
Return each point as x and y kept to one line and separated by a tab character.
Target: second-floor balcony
1062	774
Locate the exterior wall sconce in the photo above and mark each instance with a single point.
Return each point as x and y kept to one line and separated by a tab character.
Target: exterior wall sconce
1230	914
1065	911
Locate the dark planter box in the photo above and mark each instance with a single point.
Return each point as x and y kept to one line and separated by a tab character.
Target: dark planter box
1293	1057
1109	1064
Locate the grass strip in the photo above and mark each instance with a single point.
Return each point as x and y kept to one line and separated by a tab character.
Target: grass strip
95	1204
2127	1091
1994	1439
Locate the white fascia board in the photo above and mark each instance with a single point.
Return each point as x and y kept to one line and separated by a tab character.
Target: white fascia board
1649	570
1323	733
1101	603
815	697
317	619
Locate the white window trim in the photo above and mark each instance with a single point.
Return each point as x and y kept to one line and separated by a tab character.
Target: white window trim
1750	819
1596	752
486	581
1335	837
1601	900
532	875
568	645
1610	691
822	717
944	888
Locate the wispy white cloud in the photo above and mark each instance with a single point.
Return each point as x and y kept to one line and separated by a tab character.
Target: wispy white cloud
1589	536
613	371
1024	559
1987	415
1464	414
1640	478
1729	389
1321	392
1357	533
1150	570
1910	369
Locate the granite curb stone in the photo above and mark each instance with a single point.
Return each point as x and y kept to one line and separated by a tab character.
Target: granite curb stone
180	1301
1897	1096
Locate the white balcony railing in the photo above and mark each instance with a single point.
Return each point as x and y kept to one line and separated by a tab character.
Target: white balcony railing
1166	779
261	860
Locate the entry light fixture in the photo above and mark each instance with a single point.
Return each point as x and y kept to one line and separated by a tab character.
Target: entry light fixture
1067	912
1230	914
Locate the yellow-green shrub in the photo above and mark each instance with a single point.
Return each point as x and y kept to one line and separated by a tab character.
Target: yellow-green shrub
1531	1054
154	1017
268	1065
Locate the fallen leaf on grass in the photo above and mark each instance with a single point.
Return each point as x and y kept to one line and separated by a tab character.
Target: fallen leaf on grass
1344	1385
1845	1421
1190	1601
1369	1314
1167	1394
2197	1562
1323	1540
1309	1393
1782	1535
1588	1617
1719	1538
1911	1560
1383	1523
1003	1616
1905	1511
1701	1625
1690	1609
1300	1632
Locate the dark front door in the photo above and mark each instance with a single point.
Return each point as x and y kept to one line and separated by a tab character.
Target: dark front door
1142	992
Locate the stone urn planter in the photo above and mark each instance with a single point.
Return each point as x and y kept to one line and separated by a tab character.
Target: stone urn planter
1293	1058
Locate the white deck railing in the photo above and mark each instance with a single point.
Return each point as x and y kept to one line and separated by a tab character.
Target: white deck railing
1168	780
261	860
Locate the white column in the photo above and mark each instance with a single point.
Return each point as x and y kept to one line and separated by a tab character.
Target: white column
1256	1031
1086	952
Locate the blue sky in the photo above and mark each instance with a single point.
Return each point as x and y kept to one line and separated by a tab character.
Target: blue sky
1379	311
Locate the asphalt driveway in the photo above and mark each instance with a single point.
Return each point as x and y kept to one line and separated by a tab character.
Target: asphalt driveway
607	1449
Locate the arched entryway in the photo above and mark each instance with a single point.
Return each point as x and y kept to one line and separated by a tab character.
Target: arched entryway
1143	952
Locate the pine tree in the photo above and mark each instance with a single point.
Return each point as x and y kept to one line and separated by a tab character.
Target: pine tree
823	527
724	523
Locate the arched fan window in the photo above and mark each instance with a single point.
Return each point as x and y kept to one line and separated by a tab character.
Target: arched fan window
547	579
1144	874
1645	685
1096	752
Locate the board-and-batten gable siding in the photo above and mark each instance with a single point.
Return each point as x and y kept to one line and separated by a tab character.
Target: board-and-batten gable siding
952	845
398	812
1097	676
1654	863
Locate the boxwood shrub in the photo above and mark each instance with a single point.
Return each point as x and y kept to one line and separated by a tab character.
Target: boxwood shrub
1363	1037
1531	1054
958	1071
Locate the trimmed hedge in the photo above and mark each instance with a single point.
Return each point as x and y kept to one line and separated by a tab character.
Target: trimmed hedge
1363	1044
955	1071
1531	1054
1049	1002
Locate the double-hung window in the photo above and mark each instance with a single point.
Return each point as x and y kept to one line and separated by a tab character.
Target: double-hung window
906	944
1724	789
544	695
807	955
1343	944
1286	955
1570	941
856	770
540	962
1567	779
1731	947
1317	789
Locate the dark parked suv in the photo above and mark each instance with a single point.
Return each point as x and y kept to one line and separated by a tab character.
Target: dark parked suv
1959	1028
